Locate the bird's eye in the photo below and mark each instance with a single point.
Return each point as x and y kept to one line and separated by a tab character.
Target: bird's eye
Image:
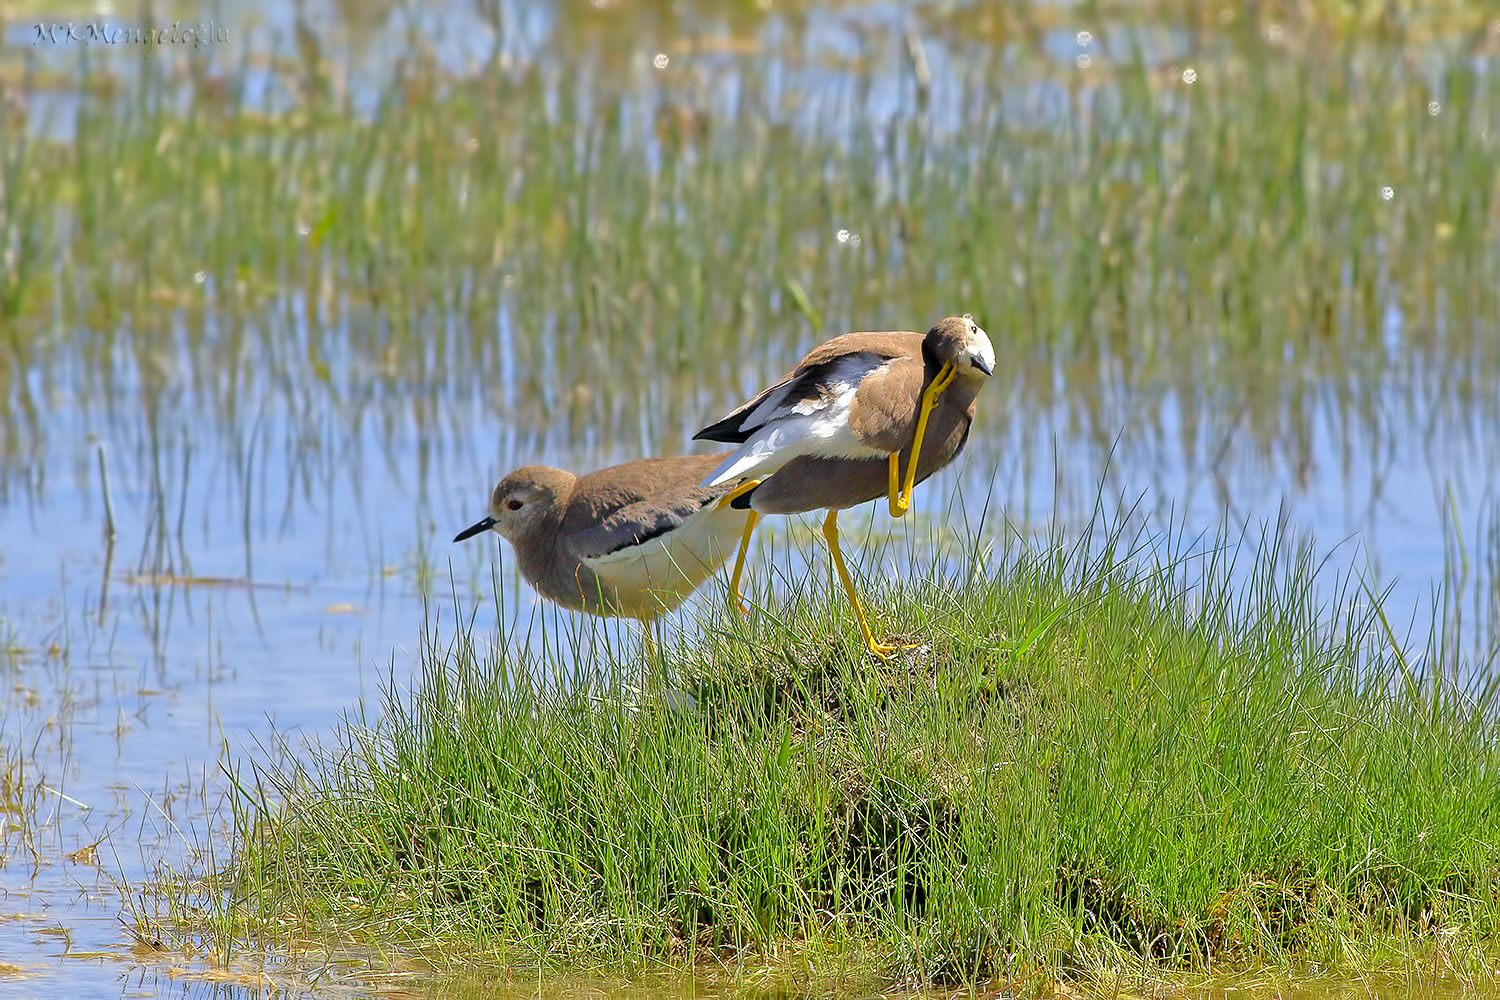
513	504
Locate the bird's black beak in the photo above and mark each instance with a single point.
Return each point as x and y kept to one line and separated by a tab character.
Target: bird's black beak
982	366
475	529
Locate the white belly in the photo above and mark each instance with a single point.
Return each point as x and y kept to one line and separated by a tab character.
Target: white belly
655	577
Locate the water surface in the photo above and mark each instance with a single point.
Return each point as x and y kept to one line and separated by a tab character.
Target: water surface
314	289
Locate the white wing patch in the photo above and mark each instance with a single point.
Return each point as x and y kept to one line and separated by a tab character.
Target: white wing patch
660	573
845	372
817	426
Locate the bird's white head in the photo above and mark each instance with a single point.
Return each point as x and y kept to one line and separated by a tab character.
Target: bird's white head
959	340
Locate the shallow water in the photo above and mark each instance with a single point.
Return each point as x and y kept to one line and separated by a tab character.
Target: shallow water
285	482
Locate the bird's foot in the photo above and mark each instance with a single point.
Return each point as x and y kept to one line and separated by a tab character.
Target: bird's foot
885	650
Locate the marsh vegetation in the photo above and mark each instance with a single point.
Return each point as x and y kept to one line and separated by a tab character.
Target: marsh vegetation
1109	755
314	289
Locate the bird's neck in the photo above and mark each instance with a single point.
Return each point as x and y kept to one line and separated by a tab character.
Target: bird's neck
537	555
544	561
963	392
930	361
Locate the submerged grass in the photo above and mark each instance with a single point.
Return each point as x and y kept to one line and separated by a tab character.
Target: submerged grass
246	231
1124	752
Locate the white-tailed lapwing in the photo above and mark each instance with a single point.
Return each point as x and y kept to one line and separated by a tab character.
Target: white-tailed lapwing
628	541
838	429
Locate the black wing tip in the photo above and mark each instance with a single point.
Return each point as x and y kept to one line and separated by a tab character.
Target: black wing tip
663	526
727	430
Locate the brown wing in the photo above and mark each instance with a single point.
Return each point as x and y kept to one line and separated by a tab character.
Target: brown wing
842	360
884	412
811	482
637	501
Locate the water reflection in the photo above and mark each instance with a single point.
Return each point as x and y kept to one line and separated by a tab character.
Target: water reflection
313	300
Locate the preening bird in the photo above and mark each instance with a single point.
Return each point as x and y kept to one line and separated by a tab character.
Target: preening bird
838	429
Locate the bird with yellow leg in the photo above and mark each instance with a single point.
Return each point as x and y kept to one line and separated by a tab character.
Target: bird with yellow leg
862	416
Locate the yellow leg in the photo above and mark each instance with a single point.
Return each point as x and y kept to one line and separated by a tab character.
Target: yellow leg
739	565
739	560
648	644
831	536
900	497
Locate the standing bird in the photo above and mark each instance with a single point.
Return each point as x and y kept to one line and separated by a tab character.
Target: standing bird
628	541
836	430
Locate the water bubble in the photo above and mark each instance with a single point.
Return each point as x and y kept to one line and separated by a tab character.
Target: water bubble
842	235
1083	61
303	229
661	60
200	276
1084	38
1434	108
1387	193
1190	75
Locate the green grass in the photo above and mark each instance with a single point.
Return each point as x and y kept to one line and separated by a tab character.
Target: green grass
1104	762
1117	753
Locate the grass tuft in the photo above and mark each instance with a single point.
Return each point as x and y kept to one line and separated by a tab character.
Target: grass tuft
1123	750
